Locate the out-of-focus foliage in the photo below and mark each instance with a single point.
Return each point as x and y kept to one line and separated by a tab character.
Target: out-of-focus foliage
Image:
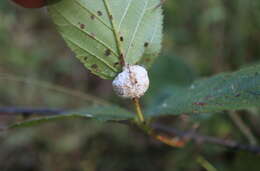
99	113
210	35
228	91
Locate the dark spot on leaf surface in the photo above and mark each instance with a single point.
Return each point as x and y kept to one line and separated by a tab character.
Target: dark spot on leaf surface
85	58
121	56
199	103
110	17
121	38
99	13
82	26
94	66
116	64
92	17
122	60
146	44
147	59
107	52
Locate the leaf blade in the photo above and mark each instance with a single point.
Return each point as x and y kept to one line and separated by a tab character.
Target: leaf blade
99	113
228	91
102	33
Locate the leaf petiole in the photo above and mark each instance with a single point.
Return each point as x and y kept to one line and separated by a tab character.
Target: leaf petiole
138	110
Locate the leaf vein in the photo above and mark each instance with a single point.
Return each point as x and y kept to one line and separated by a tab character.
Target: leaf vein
137	27
90	53
154	33
87	33
125	12
92	13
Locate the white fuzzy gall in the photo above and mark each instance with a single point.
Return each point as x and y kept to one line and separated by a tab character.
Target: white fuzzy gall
132	82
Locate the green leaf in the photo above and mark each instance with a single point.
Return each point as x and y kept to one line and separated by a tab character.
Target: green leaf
103	113
227	91
100	32
168	71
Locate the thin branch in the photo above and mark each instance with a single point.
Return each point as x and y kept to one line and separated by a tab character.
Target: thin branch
206	164
243	127
171	133
170	136
29	111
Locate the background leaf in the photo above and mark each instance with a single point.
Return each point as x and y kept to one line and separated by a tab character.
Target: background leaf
100	113
181	74
170	70
228	91
100	32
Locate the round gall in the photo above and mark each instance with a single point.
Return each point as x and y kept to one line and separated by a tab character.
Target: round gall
132	82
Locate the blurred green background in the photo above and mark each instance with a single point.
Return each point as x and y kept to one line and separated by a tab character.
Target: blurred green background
201	38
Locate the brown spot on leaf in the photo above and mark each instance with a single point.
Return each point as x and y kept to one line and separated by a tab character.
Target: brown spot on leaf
199	103
99	13
94	66
82	26
107	52
111	17
122	60
85	58
92	17
121	38
116	64
146	44
147	59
